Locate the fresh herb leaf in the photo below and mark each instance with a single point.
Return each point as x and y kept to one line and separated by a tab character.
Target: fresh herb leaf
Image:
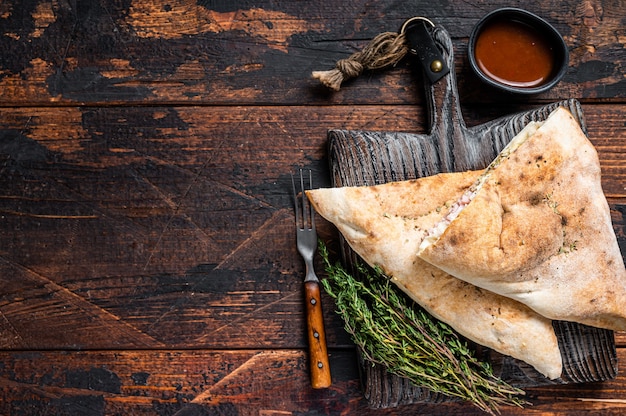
395	332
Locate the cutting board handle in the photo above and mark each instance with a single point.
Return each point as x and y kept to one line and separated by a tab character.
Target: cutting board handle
446	124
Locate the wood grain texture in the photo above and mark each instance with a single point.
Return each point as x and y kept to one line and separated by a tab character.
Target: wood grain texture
247	382
141	51
147	258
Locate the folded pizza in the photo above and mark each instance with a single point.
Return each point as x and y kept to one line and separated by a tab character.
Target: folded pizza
385	225
536	227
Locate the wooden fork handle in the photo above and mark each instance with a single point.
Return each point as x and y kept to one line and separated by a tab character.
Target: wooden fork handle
318	354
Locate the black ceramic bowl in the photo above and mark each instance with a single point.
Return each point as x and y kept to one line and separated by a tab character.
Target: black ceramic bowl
516	51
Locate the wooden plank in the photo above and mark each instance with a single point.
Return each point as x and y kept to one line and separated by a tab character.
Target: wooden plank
146	227
228	141
147	51
248	382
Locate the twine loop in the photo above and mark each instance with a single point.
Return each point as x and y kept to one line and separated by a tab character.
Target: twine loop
386	49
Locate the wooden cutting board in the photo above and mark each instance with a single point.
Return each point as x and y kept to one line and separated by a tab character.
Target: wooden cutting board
370	158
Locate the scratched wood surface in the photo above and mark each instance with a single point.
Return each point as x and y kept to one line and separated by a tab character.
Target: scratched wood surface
147	258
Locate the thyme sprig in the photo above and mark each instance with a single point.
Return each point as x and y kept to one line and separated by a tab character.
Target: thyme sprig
393	331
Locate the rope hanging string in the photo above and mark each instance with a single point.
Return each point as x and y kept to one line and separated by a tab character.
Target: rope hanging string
385	50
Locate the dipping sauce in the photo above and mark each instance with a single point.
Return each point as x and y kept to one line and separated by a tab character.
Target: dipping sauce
514	53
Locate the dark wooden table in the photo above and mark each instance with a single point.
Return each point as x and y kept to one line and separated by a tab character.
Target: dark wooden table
147	253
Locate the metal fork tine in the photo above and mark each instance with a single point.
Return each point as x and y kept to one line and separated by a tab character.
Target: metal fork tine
311	210
305	211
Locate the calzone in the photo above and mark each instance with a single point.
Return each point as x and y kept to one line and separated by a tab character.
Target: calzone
536	227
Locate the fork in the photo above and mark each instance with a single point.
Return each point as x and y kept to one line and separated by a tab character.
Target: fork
307	245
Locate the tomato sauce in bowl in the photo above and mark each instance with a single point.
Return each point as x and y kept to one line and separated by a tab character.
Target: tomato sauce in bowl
517	51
